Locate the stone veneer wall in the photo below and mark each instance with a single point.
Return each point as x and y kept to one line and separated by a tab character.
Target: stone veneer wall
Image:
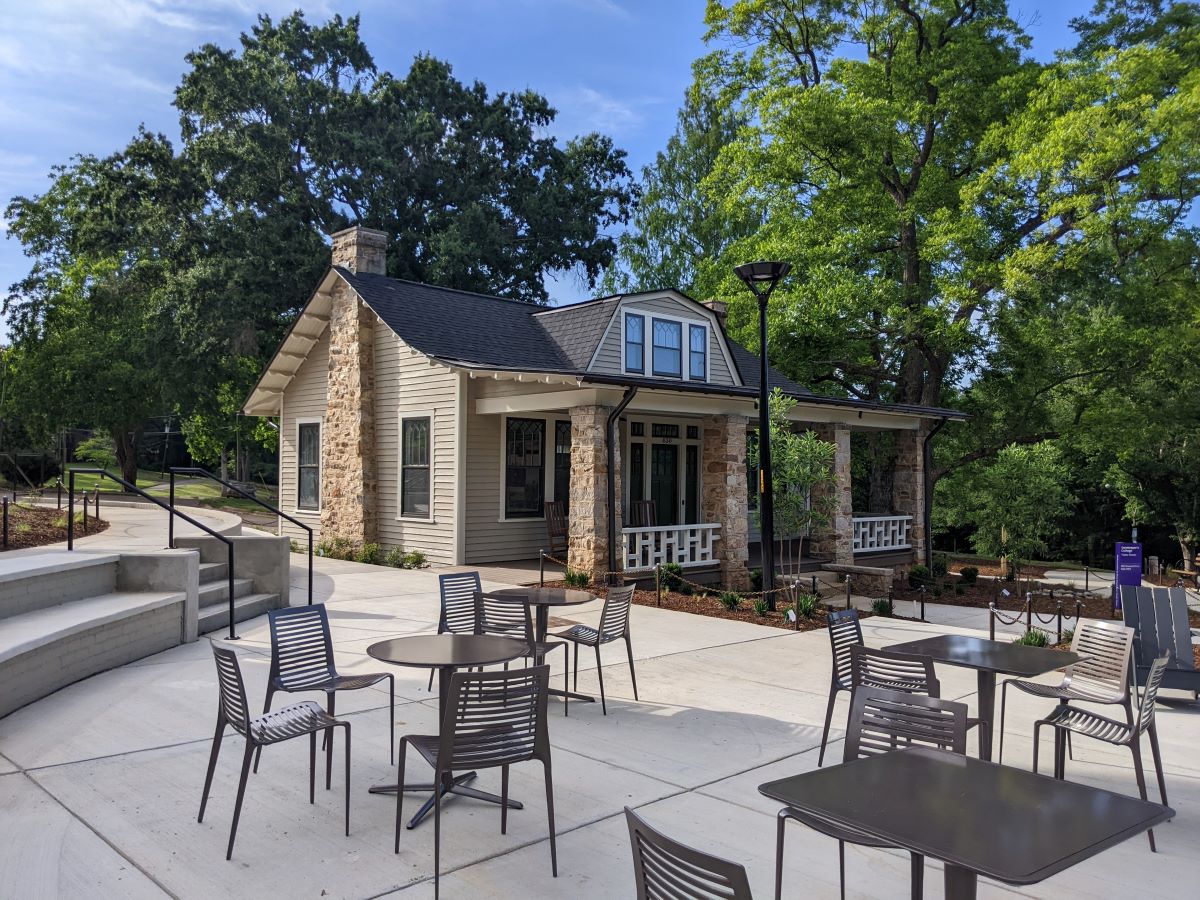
725	499
588	517
908	486
836	542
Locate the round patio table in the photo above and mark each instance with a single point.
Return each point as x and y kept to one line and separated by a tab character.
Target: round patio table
446	652
541	599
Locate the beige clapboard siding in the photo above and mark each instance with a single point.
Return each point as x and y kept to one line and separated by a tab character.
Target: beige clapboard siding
406	383
608	359
487	538
304	398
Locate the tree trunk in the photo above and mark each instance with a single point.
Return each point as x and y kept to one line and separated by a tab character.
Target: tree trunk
125	443
224	464
1188	549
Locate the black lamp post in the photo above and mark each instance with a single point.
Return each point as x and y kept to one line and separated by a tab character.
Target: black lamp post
761	278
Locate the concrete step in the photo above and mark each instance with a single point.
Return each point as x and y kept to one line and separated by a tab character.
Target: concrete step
213	592
213	571
216	617
44	580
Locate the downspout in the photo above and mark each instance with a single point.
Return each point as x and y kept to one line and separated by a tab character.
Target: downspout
927	498
610	437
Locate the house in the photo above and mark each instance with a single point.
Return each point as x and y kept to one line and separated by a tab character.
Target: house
435	419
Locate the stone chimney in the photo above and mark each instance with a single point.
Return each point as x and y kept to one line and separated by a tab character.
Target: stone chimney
348	470
361	250
720	307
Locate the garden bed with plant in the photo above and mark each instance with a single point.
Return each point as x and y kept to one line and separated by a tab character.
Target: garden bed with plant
368	554
30	526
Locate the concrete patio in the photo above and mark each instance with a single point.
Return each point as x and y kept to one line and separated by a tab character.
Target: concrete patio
100	782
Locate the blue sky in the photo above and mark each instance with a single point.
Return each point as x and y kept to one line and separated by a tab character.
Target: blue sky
79	76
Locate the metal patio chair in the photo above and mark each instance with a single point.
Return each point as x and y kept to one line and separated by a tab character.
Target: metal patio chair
844	633
510	618
1159	616
614	626
491	720
1102	677
883	720
1073	720
302	661
457	616
665	869
284	724
893	671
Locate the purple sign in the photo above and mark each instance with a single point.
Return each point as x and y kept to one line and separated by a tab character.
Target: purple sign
1129	564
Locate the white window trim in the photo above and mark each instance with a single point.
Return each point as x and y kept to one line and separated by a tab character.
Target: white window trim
400	517
297	509
547	464
685	367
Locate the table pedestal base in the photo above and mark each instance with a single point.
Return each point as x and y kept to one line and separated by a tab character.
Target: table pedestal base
555	692
456	785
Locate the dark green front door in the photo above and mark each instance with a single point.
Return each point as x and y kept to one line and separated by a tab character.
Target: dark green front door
664	482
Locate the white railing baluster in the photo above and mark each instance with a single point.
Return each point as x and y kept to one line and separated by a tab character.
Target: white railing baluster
872	534
688	545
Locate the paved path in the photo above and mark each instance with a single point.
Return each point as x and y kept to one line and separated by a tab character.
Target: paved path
138	528
100	782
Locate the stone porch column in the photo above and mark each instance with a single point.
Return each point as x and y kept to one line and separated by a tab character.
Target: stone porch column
725	500
837	540
908	485
587	549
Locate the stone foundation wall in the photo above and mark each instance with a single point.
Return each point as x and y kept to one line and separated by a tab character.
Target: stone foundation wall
836	542
725	499
588	516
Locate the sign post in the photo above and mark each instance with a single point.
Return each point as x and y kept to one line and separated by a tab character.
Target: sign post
1129	569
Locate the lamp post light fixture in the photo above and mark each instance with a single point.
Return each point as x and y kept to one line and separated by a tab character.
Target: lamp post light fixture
762	278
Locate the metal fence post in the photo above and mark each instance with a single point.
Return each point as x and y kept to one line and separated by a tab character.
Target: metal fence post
1087	577
97	504
658	584
5	523
171	521
310	565
991	621
58	484
541	568
1029	610
847	590
71	511
85	504
1059	641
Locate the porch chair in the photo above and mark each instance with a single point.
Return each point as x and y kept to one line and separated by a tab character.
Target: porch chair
290	722
1071	719
614	625
664	869
302	661
1101	677
492	720
457	616
643	514
1159	616
557	527
880	721
510	618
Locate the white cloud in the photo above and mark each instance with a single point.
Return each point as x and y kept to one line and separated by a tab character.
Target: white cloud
583	109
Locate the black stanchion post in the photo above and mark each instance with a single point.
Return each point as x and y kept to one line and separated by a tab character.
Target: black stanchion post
171	520
1059	641
658	584
814	585
847	590
1029	611
58	484
310	565
991	621
541	568
1087	575
85	505
97	504
71	511
5	523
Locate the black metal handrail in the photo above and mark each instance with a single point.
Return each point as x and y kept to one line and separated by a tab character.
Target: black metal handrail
195	470
170	509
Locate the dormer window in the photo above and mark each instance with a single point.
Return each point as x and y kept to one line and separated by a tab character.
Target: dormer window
668	348
635	343
698	353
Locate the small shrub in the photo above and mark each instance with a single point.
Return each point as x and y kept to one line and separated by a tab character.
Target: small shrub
918	576
1035	637
1068	635
371	554
336	548
970	574
882	606
24	528
413	559
939	566
806	605
730	600
672	576
394	558
756	579
959	590
576	579
760	606
296	548
937	590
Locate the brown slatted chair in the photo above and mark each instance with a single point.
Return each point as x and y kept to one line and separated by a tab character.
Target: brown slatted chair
883	720
614	626
506	617
284	724
557	527
844	633
665	869
1102	677
302	661
492	720
892	671
643	514
1073	720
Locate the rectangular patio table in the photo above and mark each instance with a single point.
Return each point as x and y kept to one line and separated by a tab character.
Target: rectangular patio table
979	818
988	658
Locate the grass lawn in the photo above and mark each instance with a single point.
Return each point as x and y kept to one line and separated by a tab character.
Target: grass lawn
86	481
206	491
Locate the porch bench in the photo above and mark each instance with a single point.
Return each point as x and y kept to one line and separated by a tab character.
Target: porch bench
873	580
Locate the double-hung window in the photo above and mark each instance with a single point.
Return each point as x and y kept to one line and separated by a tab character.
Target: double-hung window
668	348
308	459
414	468
697	352
635	343
524	468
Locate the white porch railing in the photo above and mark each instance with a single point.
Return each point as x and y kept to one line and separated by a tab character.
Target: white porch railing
688	545
877	533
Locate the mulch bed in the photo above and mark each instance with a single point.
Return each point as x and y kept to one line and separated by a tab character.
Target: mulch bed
711	607
983	592
34	527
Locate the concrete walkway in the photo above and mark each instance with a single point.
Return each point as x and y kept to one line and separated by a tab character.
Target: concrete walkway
100	782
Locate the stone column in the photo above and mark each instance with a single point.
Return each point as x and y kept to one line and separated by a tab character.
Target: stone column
836	541
348	479
587	549
725	500
908	486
